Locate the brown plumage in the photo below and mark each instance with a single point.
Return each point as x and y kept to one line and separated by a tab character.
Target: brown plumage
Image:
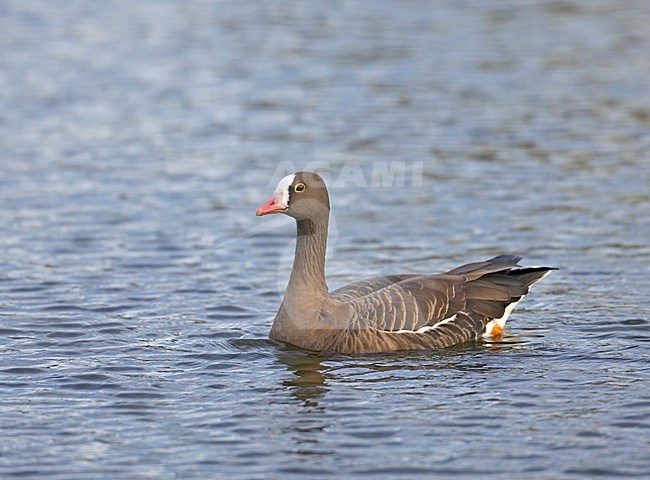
391	312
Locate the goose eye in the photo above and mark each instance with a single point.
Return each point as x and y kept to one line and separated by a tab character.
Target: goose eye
300	187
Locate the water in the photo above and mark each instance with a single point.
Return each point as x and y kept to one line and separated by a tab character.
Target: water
137	288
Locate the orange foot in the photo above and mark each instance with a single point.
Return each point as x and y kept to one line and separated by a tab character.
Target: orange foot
496	331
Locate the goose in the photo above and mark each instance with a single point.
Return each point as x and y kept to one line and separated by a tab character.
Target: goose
388	312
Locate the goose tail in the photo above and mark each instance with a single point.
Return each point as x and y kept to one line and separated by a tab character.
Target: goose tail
527	276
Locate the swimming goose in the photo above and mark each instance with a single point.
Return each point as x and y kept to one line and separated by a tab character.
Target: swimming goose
388	312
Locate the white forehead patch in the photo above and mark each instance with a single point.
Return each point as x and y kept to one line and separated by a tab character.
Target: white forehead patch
282	190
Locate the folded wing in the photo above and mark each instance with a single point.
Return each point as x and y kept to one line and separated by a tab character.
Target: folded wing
465	298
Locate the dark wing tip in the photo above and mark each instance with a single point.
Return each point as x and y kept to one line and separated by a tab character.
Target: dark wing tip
505	259
530	275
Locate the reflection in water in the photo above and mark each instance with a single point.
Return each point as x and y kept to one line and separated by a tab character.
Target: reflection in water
321	384
308	384
309	381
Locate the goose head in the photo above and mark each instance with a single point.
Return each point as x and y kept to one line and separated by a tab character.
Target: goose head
301	195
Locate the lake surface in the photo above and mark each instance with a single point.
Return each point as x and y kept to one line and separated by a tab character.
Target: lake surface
137	287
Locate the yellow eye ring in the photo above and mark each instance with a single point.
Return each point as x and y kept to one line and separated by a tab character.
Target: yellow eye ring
299	187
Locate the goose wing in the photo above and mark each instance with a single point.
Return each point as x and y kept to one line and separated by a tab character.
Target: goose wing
367	286
469	295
